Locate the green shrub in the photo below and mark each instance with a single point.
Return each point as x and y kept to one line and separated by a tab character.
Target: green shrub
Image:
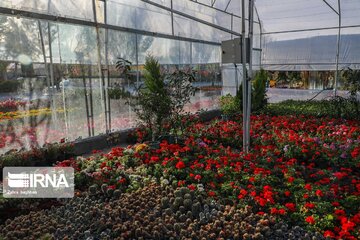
336	107
10	85
258	92
229	105
258	95
45	156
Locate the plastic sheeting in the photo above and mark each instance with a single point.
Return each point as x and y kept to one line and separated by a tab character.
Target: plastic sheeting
293	34
302	34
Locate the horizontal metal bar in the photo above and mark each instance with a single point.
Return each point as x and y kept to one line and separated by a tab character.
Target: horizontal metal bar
215	8
310	29
49	17
257	49
192	18
291	64
331	7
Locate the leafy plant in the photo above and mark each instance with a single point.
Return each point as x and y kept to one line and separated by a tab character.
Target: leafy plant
258	96
180	89
352	80
152	104
228	105
258	93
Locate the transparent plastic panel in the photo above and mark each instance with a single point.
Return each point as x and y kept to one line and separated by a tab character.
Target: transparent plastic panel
256	58
165	50
139	15
20	39
350	12
203	53
350	48
203	12
81	9
74	44
280	15
189	28
256	36
308	49
123	45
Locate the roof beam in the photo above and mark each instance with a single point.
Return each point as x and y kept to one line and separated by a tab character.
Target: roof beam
227	5
192	18
76	21
310	29
328	4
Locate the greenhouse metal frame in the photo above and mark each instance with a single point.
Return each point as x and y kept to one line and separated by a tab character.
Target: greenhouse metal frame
330	39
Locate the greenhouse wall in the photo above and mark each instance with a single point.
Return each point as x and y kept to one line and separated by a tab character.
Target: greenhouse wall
60	76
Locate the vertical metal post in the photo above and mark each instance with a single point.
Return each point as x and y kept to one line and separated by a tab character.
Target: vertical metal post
44	55
244	82
137	61
107	85
338	51
251	30
172	17
232	24
98	46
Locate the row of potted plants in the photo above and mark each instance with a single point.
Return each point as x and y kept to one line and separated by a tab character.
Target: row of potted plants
302	170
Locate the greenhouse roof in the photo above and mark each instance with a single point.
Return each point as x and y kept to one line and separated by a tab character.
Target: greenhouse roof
291	34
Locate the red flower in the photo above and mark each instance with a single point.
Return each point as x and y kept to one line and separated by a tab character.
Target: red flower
198	177
273	211
348	226
287	193
211	194
319	193
310	220
308	187
290	206
181	183
309	205
192	187
282	211
329	234
180	165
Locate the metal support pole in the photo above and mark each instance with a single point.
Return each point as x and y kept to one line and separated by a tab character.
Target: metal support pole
338	52
98	46
172	18
44	55
137	61
251	30
244	82
107	66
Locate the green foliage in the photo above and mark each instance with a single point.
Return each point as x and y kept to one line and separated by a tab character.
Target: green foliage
118	93
45	156
229	105
9	85
124	66
258	92
352	80
258	96
152	102
180	89
336	107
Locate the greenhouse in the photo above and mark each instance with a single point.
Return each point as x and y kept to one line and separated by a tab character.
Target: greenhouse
179	119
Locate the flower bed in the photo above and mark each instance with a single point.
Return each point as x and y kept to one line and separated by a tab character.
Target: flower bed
301	169
11	105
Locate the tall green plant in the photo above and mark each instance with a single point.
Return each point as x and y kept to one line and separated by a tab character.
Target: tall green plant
258	96
352	80
258	92
152	104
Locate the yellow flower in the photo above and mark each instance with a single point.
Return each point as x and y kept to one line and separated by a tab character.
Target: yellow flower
140	147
